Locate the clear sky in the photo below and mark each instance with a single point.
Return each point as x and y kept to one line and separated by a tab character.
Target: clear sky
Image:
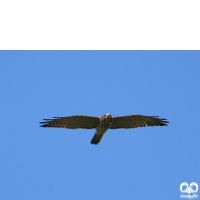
143	163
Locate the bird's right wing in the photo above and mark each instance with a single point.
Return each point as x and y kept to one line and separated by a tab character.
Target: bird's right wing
72	122
134	121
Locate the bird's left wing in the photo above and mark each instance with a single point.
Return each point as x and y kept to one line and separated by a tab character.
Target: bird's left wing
134	121
72	122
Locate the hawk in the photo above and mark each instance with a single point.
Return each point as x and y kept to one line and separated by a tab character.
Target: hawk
103	123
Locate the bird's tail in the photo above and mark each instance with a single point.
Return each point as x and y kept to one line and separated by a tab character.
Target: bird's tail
96	138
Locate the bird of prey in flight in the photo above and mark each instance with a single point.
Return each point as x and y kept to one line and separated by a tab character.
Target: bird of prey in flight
103	123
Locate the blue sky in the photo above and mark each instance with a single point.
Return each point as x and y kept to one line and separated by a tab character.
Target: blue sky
143	163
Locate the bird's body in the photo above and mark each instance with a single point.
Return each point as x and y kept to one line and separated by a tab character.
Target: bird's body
102	127
103	123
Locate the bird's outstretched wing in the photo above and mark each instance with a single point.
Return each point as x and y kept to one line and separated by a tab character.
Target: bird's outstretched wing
72	122
134	121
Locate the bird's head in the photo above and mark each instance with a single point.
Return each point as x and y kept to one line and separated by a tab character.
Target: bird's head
107	117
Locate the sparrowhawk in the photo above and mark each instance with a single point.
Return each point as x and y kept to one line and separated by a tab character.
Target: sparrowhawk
103	123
